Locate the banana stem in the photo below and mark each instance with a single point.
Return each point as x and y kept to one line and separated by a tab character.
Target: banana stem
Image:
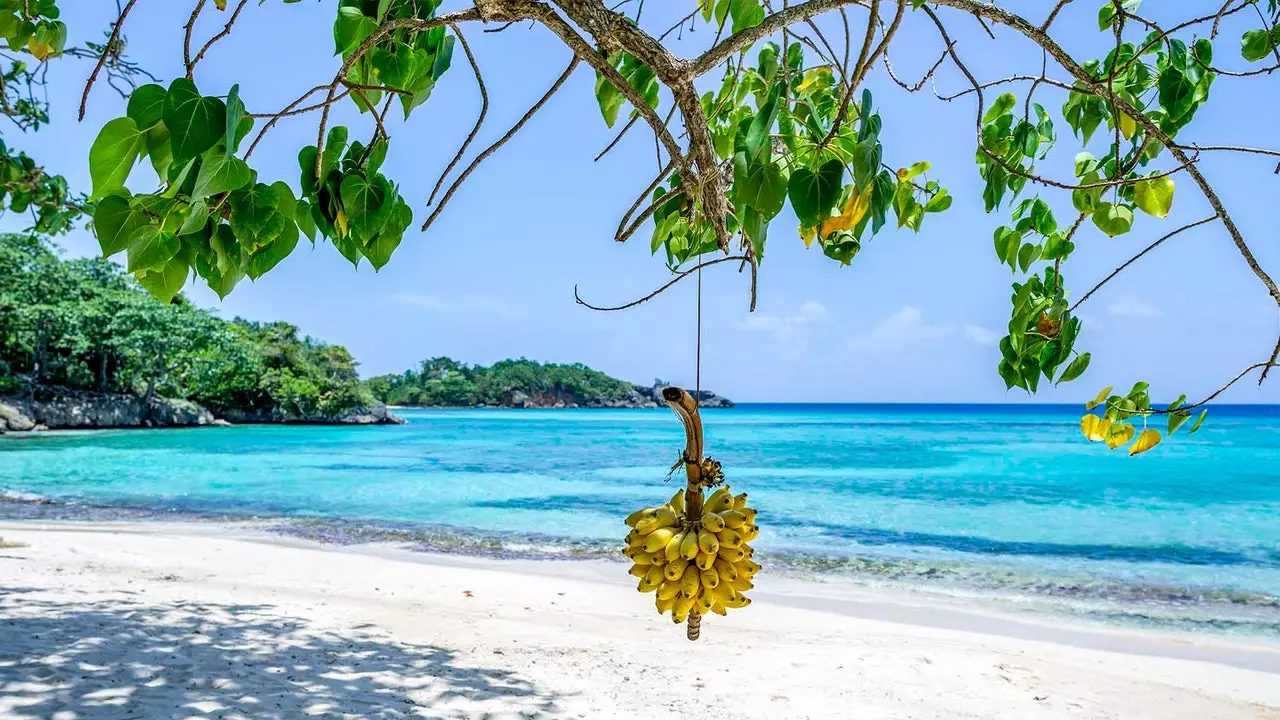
686	408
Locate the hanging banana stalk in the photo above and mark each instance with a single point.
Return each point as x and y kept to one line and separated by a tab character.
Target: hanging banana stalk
694	553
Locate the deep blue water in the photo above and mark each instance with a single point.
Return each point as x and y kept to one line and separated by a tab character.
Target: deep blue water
1006	501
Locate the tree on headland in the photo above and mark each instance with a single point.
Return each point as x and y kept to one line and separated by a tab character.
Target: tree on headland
774	110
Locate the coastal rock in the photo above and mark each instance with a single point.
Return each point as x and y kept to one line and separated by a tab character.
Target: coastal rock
374	414
11	418
98	410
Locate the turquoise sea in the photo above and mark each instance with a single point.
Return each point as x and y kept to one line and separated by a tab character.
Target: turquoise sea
1005	503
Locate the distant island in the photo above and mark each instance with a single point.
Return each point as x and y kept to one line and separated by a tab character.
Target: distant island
83	346
444	382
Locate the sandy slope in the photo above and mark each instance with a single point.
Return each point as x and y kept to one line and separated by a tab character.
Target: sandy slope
156	621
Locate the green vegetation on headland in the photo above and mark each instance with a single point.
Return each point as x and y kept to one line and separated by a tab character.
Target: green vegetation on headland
80	338
443	382
82	345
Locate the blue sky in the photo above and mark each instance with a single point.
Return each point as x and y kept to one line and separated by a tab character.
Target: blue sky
915	319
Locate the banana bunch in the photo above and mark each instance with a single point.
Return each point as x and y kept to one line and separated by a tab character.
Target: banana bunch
701	566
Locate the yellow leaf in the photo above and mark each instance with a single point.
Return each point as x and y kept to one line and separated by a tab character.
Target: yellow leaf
1127	126
1102	397
813	76
1120	434
341	222
220	4
807	233
854	210
1147	439
41	50
1094	427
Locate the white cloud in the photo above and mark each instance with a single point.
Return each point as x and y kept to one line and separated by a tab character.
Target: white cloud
785	326
1133	309
908	327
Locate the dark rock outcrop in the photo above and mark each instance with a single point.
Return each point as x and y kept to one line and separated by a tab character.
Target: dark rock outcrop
374	414
84	410
98	410
640	396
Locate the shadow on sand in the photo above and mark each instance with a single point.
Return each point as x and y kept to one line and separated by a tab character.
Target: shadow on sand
131	659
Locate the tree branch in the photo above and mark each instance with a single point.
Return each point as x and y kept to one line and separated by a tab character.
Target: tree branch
573	64
578	299
106	50
226	30
1135	258
484	110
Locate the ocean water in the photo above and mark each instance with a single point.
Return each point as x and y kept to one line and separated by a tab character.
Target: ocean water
1004	503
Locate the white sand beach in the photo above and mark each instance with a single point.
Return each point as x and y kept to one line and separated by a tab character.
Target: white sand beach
153	620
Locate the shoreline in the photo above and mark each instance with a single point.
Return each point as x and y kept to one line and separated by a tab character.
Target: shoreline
1087	602
579	634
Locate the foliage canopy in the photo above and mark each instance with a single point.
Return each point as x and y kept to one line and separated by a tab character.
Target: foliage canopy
769	114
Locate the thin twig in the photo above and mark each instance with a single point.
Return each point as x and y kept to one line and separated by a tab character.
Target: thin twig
106	50
484	110
617	138
186	39
573	64
578	299
1135	258
226	30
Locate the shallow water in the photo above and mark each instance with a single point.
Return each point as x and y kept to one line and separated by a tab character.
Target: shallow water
1007	502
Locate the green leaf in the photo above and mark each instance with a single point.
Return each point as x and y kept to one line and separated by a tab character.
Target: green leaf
113	155
1101	398
235	115
302	216
756	227
1113	219
1075	369
364	201
761	185
1002	105
745	14
1177	419
757	142
1256	45
351	28
197	218
1154	196
609	99
815	194
262	260
146	105
159	151
195	123
114	222
165	282
1027	255
149	247
220	173
1199	420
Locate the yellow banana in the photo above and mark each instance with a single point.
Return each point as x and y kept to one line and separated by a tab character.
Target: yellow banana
751	534
731	555
705	560
734	518
739	602
672	549
742	584
664	517
740	502
664	605
652	578
673	571
635	540
668	590
689	582
712	522
639	571
639	515
722	592
717	607
689	546
719	501
639	557
729	538
658	539
677	502
725	570
680	608
708	542
710	578
702	603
